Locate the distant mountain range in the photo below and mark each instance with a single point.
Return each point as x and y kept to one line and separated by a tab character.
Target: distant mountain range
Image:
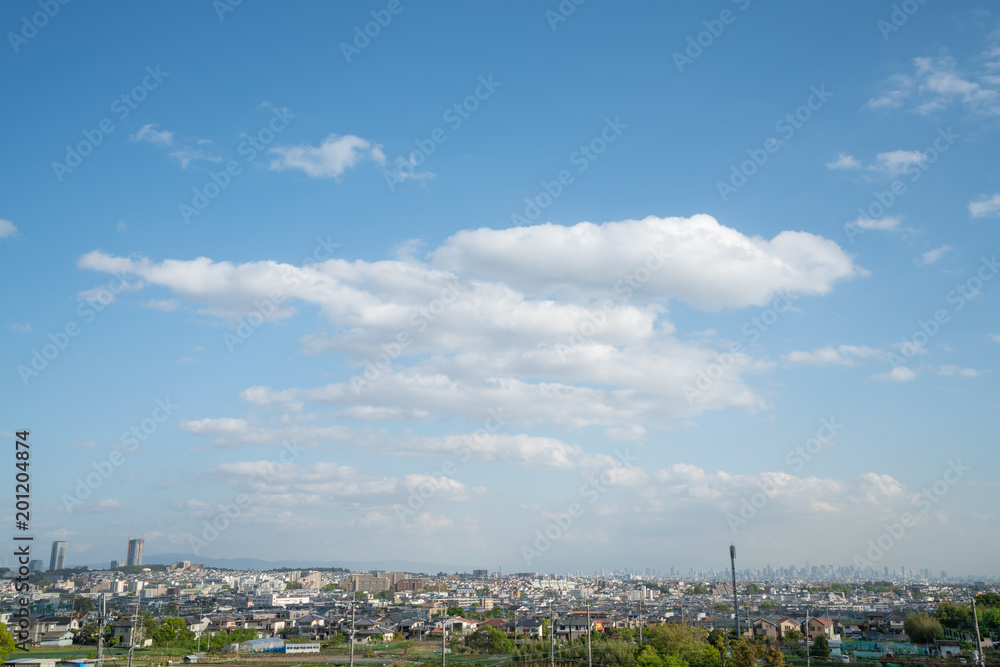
258	564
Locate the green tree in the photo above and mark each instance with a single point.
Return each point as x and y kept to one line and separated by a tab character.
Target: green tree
953	616
745	654
722	607
922	628
773	657
821	647
7	643
648	657
329	587
82	604
677	642
792	636
767	605
754	589
292	586
489	640
455	611
987	600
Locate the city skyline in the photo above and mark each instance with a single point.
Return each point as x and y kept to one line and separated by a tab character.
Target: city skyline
555	287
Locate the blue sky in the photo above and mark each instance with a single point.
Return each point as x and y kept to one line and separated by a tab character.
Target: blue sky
647	279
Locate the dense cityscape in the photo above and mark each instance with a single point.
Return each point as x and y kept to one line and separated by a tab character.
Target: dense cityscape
191	612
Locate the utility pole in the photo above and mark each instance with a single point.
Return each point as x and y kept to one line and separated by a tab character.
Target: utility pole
979	642
590	656
100	631
807	637
736	602
442	639
552	638
353	603
640	623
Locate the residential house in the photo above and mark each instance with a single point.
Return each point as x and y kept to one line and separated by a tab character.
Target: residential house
815	627
573	626
766	629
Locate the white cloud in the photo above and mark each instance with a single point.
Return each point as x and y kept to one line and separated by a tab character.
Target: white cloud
932	256
330	159
985	207
703	263
897	374
895	91
951	370
167	305
7	228
539	319
108	294
20	327
844	161
149	134
843	355
224	426
937	84
186	156
886	223
373	413
894	163
995	338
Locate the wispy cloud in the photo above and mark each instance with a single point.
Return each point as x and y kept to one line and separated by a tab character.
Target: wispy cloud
985	206
150	134
936	83
897	374
188	156
889	163
20	327
932	256
953	370
7	228
845	355
887	223
330	159
844	161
